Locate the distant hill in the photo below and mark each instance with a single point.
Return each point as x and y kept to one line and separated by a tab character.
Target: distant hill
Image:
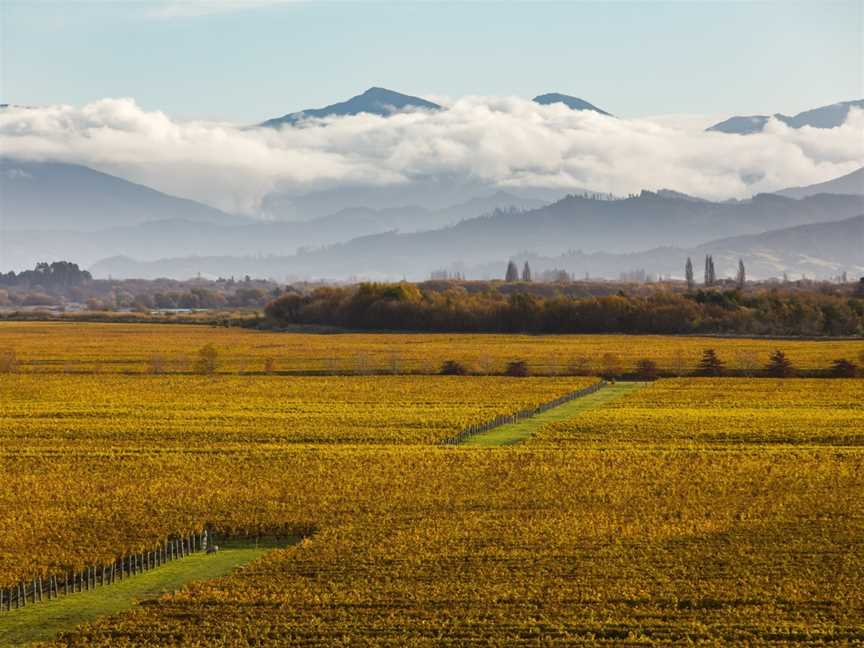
178	238
574	103
829	116
432	193
821	250
852	183
52	195
375	101
613	229
813	249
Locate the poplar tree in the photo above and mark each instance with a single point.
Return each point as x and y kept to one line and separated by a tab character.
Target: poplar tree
710	276
688	273
512	272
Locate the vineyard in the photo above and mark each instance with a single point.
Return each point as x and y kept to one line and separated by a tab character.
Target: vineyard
58	347
726	412
715	510
98	412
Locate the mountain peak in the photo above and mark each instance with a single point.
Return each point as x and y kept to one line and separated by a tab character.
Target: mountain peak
829	116
374	101
574	103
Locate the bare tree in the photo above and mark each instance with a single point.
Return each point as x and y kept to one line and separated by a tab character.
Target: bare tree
526	272
688	273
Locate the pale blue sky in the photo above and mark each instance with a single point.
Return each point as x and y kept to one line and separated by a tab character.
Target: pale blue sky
247	60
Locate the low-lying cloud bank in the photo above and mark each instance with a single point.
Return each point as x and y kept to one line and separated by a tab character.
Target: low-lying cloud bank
505	141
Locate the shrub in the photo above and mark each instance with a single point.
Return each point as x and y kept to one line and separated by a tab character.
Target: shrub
517	369
453	368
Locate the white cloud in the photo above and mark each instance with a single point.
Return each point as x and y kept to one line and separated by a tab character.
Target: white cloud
194	8
508	141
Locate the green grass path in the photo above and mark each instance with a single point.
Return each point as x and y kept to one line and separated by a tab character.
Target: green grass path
516	432
43	621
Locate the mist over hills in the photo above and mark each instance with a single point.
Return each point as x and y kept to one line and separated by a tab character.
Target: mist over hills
574	103
54	195
432	216
823	250
179	237
375	101
852	183
432	193
829	116
384	102
600	230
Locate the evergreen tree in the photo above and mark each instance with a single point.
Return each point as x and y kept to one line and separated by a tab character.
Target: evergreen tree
526	272
688	274
512	272
741	279
710	364
779	366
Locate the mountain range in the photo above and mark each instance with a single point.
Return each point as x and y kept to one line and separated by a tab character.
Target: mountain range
54	195
615	228
375	101
53	210
384	102
20	248
852	183
829	116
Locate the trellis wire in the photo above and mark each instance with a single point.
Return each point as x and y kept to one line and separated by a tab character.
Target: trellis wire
520	416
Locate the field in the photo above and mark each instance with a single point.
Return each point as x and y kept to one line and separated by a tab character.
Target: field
721	511
142	348
156	413
728	411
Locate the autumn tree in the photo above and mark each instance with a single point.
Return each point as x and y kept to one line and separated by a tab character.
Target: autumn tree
206	361
8	361
611	365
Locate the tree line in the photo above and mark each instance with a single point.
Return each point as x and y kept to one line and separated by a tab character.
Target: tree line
406	306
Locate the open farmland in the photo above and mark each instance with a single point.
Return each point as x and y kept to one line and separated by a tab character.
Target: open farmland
421	546
102	411
723	411
140	348
689	510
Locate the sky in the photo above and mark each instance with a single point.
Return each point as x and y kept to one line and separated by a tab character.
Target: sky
244	61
